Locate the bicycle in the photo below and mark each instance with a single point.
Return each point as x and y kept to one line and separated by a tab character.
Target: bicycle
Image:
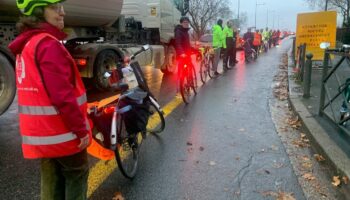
206	63
188	79
122	125
249	52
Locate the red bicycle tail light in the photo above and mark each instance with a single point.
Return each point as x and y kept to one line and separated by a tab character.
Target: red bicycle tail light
108	109
81	62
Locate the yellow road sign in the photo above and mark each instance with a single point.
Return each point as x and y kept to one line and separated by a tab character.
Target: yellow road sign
315	28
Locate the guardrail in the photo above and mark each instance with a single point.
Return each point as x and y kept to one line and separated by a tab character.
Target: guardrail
335	88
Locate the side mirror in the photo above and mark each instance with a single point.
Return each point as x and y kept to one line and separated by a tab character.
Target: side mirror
325	45
145	47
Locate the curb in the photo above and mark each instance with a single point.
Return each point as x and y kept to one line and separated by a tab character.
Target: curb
320	140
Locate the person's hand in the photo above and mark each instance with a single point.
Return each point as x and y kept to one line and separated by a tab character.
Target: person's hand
84	142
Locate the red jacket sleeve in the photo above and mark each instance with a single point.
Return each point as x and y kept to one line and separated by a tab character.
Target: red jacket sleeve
58	77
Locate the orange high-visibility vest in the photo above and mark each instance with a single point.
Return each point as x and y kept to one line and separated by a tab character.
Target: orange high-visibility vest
257	39
44	133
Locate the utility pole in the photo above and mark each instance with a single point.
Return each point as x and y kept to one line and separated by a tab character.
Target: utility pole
267	17
239	4
326	6
256	8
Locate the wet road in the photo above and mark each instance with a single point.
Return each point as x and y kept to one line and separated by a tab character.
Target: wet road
223	145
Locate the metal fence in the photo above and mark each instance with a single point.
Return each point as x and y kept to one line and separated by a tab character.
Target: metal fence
335	88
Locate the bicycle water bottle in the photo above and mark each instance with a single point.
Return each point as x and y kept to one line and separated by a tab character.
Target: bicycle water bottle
129	77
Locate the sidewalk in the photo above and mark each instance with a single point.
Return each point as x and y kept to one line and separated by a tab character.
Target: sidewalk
326	139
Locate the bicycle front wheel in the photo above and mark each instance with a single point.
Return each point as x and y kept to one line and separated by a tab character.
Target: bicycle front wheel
209	66
156	121
127	152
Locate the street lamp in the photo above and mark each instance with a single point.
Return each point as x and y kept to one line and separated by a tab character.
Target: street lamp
256	8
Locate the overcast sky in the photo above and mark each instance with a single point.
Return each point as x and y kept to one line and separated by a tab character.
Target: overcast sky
284	12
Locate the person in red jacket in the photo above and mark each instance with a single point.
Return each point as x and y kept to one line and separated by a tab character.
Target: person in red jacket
52	101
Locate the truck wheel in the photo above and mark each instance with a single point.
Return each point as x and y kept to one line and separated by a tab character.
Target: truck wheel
7	84
106	61
170	65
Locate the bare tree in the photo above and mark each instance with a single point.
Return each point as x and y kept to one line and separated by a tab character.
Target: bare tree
342	6
205	12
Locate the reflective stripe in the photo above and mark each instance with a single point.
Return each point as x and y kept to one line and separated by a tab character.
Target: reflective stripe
125	109
82	99
48	140
87	125
46	110
37	110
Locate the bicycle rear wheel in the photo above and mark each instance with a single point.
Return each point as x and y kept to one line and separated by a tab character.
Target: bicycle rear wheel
193	78
127	152
156	121
185	86
203	72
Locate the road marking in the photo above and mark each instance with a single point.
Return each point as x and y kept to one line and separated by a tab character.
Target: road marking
102	169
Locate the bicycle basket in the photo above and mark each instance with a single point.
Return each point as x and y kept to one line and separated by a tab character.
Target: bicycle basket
136	118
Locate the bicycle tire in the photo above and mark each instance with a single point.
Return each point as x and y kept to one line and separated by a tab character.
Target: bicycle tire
125	150
210	63
185	88
156	121
203	72
193	78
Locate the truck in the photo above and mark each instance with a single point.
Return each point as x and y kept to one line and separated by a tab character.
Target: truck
100	34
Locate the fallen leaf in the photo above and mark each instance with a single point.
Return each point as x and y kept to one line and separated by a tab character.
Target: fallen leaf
237	158
319	158
201	148
212	163
336	181
189	144
307	165
277	165
285	196
345	180
118	196
269	193
309	177
274	148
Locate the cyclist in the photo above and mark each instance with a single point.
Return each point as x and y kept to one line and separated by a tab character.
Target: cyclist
218	43
182	42
228	55
55	126
257	40
249	38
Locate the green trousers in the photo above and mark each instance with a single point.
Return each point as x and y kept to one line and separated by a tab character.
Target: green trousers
65	178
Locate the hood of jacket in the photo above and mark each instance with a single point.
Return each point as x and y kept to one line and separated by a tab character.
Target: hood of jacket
18	44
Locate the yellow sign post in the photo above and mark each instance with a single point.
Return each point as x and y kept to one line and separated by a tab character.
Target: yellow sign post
315	28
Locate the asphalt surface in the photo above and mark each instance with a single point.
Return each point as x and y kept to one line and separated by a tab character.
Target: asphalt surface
223	145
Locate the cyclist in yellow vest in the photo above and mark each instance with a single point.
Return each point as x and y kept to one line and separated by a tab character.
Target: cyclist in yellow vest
229	42
218	44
